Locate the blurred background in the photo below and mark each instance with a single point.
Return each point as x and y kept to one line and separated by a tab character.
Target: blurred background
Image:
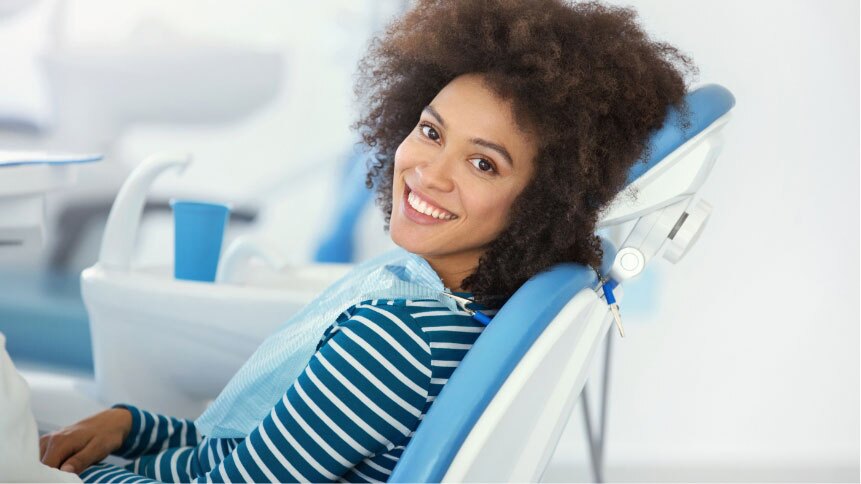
741	363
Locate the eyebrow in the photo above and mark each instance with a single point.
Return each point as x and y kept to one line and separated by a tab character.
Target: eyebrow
478	141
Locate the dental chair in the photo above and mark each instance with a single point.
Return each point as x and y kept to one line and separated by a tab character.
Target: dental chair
502	412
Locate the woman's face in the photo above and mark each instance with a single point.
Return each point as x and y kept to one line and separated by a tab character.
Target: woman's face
457	174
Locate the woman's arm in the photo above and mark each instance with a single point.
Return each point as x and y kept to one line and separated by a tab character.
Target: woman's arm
361	394
151	433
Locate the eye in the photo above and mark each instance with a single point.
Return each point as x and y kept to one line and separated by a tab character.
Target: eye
427	129
483	165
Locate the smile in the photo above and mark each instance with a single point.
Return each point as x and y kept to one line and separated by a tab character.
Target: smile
420	210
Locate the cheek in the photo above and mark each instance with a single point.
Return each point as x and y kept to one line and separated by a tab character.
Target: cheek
503	208
490	208
399	155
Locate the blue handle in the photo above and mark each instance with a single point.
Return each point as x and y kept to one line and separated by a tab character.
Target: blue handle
608	291
482	318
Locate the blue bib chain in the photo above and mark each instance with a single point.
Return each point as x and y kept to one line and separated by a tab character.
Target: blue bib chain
608	285
462	304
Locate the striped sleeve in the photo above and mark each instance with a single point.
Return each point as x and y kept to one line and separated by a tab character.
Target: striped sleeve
361	394
151	433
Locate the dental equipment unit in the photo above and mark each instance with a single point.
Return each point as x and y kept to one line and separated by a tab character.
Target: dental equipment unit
501	414
25	178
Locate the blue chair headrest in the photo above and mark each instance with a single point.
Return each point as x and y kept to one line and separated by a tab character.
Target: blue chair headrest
704	104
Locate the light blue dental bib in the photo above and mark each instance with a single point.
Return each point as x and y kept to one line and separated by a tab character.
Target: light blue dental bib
258	385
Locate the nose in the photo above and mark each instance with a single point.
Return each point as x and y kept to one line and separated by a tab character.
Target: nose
436	173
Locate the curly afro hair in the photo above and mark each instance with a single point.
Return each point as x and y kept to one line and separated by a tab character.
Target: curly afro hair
584	76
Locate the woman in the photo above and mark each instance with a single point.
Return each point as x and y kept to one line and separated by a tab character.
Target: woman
502	129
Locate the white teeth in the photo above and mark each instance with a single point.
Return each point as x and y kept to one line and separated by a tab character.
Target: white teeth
423	207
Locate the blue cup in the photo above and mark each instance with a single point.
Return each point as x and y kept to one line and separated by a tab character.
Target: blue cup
198	233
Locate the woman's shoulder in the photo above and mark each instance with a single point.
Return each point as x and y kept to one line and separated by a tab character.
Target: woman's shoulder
423	313
391	319
427	315
425	319
427	329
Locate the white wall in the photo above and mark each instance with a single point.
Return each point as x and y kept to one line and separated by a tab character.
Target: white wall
745	365
740	363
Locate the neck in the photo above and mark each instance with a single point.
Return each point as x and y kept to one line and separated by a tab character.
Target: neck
453	269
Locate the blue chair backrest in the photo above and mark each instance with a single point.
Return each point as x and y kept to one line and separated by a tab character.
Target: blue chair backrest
524	317
705	105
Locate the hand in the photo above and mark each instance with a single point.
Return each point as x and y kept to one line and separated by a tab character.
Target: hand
78	446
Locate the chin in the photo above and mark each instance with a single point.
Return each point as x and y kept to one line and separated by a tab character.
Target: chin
405	242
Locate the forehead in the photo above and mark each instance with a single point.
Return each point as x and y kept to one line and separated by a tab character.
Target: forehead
469	107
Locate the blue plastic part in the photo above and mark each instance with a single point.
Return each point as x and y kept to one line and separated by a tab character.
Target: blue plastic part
487	365
481	318
198	234
705	104
608	291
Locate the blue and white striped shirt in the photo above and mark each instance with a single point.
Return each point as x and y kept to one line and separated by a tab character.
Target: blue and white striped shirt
346	418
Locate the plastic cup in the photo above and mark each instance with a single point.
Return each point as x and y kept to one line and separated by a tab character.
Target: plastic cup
198	233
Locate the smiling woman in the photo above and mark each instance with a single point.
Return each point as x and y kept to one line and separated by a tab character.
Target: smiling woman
501	128
518	122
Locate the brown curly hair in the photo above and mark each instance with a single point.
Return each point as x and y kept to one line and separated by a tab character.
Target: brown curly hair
584	76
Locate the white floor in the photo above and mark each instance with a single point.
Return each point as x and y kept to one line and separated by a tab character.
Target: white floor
776	473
